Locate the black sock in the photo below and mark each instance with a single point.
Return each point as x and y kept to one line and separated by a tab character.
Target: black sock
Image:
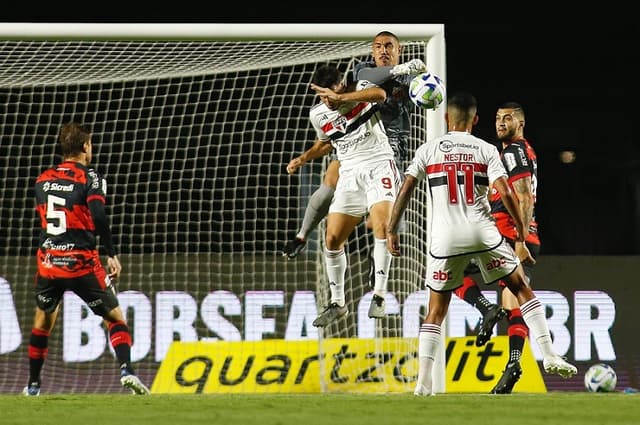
470	292
38	350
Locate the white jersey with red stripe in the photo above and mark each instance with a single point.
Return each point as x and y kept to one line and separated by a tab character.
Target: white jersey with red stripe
459	169
355	131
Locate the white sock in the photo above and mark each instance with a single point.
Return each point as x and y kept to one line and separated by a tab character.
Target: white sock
336	266
534	316
428	342
382	262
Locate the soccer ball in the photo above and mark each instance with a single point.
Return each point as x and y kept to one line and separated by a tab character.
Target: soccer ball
600	378
427	91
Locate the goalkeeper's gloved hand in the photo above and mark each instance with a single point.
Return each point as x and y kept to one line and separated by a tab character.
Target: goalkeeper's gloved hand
413	67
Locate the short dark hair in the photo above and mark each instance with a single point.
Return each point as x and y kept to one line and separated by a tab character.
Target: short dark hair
511	105
515	106
72	138
326	76
387	34
464	101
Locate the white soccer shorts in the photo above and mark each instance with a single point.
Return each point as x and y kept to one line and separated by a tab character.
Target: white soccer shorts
360	188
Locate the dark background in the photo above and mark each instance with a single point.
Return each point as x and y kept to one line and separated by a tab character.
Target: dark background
573	71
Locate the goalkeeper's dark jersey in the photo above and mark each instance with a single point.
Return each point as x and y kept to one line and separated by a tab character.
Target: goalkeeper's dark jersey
67	244
397	108
520	161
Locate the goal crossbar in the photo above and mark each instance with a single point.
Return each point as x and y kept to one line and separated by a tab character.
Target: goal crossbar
212	31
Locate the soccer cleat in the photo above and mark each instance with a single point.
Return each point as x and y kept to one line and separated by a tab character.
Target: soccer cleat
493	316
421	390
32	390
131	381
330	314
508	379
559	366
376	308
413	67
293	247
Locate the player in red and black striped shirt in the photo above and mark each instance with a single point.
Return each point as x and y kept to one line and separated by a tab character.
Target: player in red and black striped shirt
521	163
70	201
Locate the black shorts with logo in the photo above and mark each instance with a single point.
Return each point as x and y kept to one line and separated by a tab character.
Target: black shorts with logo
99	298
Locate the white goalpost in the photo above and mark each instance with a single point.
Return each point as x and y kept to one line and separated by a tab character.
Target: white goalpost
193	127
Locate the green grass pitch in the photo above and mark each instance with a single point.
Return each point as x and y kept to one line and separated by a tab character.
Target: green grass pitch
561	408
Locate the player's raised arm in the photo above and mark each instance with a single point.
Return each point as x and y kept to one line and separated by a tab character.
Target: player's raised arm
371	93
319	149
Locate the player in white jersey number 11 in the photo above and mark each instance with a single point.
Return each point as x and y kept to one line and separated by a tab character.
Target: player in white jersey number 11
460	168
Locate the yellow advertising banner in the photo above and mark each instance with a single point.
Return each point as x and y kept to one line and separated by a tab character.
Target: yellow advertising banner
381	365
472	369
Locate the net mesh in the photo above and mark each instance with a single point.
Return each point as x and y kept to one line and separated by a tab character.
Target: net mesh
193	139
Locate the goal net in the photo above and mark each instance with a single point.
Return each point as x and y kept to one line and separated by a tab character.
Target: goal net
193	125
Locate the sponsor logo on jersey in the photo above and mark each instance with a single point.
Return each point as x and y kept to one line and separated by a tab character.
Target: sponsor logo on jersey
344	145
509	161
50	244
67	262
52	186
523	157
445	146
323	119
465	146
95	180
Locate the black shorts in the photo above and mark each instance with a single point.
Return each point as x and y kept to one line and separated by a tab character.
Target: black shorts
99	298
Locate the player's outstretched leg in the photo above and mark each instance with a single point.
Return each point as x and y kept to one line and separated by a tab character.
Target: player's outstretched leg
316	210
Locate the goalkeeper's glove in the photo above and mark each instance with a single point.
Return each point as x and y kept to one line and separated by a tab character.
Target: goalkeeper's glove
413	67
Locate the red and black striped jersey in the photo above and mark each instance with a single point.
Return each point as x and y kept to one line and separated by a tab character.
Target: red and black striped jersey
520	160
67	244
